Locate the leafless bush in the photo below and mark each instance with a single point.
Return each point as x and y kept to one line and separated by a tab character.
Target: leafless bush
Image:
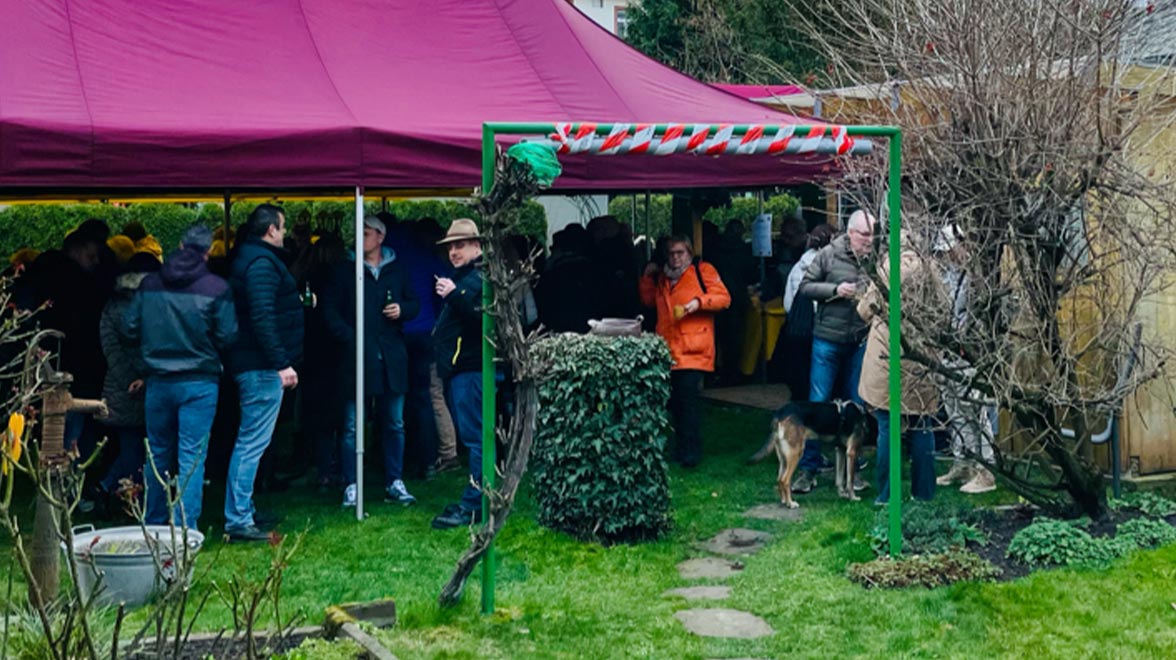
1032	127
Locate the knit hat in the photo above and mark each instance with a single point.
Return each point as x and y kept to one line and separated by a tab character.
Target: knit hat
122	247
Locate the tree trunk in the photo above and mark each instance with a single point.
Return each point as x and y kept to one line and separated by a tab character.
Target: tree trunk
522	431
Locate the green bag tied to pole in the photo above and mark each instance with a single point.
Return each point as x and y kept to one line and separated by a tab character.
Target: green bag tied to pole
540	158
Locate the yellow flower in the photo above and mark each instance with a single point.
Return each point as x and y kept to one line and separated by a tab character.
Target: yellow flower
12	441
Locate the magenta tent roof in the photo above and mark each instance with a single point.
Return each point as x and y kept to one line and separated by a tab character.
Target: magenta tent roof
759	91
330	93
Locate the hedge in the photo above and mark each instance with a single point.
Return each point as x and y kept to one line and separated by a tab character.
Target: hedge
44	226
781	206
598	464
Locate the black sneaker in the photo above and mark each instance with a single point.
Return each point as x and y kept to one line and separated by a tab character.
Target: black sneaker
804	483
265	520
246	534
458	518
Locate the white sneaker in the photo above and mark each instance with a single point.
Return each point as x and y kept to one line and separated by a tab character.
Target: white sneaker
349	496
983	482
398	494
960	472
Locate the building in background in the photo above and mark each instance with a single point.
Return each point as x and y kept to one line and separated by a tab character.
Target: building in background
609	14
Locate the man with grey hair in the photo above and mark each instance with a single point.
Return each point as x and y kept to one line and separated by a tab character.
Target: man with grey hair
182	319
835	279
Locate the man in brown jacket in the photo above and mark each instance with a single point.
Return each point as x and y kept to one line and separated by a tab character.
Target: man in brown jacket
922	290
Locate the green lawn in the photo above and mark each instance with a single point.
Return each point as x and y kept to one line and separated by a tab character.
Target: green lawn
561	598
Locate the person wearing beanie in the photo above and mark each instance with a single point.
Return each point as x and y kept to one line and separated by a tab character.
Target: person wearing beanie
23	257
151	246
123	248
122	389
181	319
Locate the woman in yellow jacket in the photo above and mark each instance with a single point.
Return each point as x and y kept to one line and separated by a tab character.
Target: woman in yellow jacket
686	295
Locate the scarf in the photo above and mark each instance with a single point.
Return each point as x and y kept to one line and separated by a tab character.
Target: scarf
674	274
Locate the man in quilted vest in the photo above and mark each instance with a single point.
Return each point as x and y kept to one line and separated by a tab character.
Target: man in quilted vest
687	295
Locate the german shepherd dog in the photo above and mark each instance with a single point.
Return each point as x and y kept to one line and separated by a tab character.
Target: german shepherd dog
845	424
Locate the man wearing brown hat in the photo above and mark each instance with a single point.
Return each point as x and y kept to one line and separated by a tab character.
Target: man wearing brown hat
457	339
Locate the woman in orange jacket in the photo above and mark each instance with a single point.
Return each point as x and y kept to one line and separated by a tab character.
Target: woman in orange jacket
686	295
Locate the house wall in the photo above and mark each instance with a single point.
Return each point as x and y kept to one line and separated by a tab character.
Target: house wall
603	12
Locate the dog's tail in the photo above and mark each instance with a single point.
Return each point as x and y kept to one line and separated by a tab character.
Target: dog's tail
764	451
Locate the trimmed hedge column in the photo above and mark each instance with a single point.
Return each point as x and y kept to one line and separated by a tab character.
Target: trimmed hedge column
598	462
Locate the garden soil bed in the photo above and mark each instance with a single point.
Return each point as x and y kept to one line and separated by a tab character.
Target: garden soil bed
1004	524
223	647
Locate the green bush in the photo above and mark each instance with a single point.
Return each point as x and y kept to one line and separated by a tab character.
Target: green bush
781	206
929	571
598	465
1152	504
930	527
1146	532
1058	543
44	226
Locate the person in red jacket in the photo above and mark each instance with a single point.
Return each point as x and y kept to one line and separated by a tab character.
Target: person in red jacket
686	294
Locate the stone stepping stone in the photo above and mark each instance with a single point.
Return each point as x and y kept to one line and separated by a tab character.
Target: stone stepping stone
774	511
700	593
708	568
731	624
736	541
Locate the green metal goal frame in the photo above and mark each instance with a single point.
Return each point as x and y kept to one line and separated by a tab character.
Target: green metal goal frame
893	134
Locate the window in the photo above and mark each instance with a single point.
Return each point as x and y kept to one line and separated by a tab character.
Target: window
620	25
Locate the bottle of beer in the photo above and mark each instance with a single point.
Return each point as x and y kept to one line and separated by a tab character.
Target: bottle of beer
307	297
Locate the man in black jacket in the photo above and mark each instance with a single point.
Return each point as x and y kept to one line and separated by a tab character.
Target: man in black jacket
182	319
262	361
388	303
458	341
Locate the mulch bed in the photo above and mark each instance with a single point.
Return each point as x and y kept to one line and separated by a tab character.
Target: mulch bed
1005	522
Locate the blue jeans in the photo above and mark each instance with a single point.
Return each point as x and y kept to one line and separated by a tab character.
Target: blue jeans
179	418
835	373
261	399
465	391
390	413
130	457
922	456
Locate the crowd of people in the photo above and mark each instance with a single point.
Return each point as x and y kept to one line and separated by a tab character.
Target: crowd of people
203	351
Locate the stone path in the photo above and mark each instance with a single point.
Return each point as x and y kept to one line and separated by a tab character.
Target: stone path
720	622
774	512
700	593
708	568
731	624
737	541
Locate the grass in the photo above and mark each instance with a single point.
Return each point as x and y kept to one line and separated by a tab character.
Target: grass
559	598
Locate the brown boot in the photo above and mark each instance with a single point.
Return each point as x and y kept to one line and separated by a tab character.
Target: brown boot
982	482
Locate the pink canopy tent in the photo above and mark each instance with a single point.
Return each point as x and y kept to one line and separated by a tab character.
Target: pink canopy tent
759	91
191	94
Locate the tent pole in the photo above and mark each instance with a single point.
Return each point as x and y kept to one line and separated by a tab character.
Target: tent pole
648	238
228	220
894	202
489	418
763	264
360	409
